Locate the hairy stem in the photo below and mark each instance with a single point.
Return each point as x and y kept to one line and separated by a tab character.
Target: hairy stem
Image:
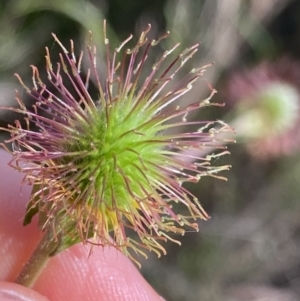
38	259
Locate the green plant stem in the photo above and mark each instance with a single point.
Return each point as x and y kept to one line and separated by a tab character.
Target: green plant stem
39	259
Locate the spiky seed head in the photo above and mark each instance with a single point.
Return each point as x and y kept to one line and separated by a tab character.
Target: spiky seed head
103	166
267	102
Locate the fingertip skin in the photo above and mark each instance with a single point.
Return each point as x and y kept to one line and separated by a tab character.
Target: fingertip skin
106	274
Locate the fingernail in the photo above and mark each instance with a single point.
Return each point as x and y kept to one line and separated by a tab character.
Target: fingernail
15	292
